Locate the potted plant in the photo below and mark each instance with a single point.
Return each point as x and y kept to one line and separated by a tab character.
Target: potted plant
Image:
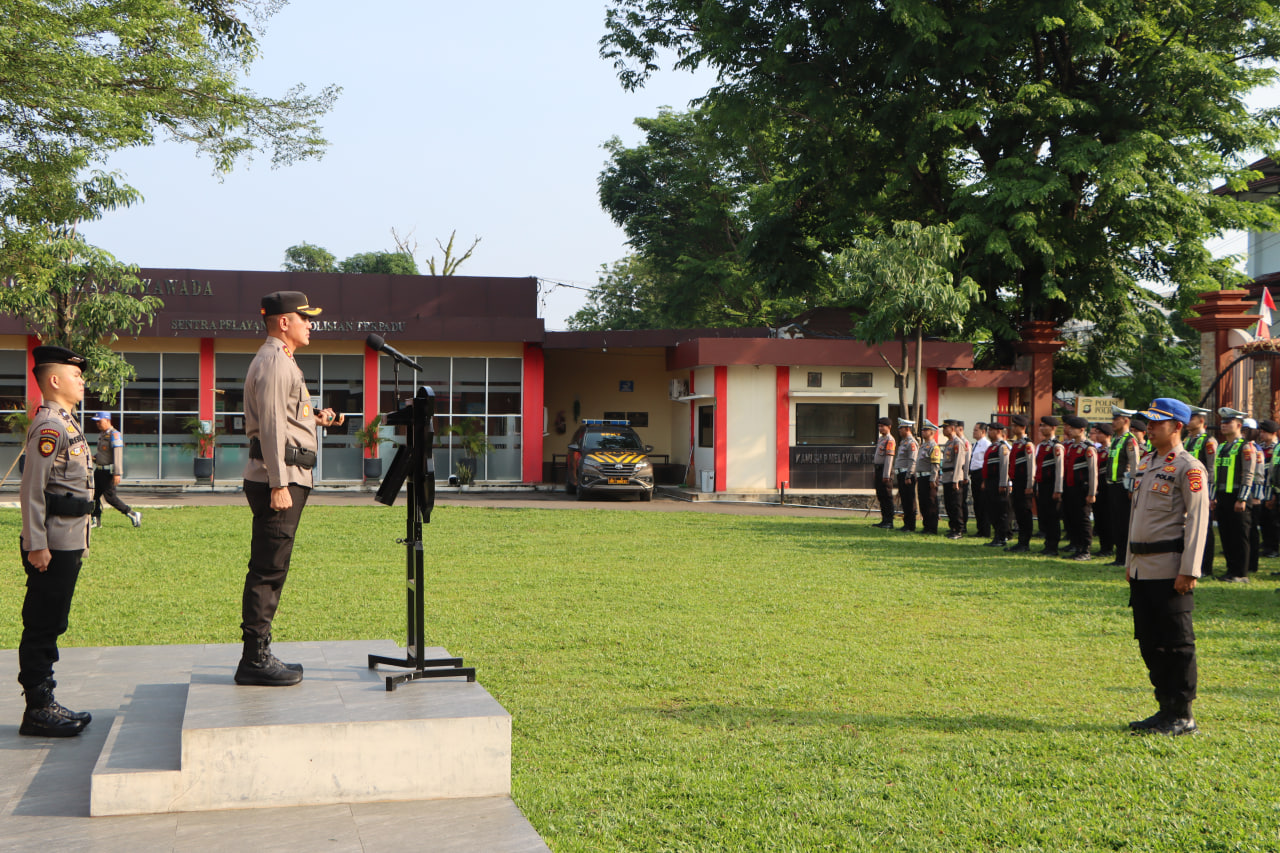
475	444
201	446
369	438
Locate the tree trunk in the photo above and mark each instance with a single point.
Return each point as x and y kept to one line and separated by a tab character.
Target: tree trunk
919	375
903	411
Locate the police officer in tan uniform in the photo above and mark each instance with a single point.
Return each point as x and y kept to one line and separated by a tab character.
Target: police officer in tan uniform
904	468
56	501
108	468
281	427
882	470
1168	527
955	473
928	467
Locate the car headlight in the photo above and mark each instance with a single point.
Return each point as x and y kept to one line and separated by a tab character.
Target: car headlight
643	466
591	465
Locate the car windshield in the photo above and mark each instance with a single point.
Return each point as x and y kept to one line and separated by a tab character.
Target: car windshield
612	441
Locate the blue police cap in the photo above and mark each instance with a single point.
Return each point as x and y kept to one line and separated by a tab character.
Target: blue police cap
1168	409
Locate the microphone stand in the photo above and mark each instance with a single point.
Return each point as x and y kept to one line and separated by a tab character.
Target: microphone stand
414	462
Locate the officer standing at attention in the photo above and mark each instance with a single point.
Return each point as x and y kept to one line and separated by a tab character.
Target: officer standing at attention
1233	473
281	427
968	475
882	465
1268	521
1022	488
1123	462
1049	484
1079	487
928	465
56	501
995	478
1102	512
1204	447
1250	433
904	466
1170	517
977	479
108	468
955	471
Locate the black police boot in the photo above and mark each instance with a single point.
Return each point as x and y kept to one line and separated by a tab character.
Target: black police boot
259	667
1177	722
1143	726
296	667
44	717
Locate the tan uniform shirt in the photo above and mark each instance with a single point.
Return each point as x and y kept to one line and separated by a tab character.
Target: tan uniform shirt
955	460
882	462
905	461
1171	502
110	452
58	462
277	411
928	459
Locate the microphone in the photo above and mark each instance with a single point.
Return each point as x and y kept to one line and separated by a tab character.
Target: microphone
377	344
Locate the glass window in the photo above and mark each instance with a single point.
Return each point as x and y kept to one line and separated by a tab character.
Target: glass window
469	386
230	370
815	379
143	393
13	397
181	389
855	380
840	424
504	386
141	433
706	426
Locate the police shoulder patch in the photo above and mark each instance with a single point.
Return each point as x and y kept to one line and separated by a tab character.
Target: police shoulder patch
49	431
47	445
1195	479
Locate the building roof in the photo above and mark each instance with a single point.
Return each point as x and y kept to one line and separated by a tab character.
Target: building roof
1262	189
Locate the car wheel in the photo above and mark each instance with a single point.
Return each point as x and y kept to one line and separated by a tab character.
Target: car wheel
582	494
646	495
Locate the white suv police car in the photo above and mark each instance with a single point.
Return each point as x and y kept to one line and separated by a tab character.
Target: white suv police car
607	456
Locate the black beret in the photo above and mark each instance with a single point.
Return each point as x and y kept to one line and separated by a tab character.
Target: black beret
1269	426
57	355
958	422
884	422
1075	422
1020	420
995	425
1139	421
287	302
1105	428
1050	420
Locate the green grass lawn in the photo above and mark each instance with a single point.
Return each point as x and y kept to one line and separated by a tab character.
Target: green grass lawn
685	681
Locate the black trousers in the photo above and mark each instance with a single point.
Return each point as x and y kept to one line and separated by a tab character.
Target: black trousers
996	506
1255	536
907	497
1050	516
927	493
44	614
269	553
1206	564
1103	522
953	500
1269	528
1162	625
1235	528
104	488
1119	508
964	505
979	492
1022	513
884	494
1075	518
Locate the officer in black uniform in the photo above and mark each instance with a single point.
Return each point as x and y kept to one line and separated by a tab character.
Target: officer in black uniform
995	478
1049	484
56	502
1022	488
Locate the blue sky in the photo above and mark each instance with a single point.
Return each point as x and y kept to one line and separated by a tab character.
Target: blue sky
485	118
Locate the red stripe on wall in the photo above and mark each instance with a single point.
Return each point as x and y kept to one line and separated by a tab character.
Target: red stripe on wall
207	379
722	427
33	390
372	388
534	383
1002	399
782	445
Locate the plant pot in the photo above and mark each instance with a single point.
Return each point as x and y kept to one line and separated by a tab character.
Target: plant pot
372	468
204	469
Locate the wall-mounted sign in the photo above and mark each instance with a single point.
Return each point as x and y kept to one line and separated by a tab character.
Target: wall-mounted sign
626	386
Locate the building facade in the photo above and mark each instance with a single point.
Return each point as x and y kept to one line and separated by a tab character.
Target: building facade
727	409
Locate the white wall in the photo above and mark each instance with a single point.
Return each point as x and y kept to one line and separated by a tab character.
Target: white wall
752	455
967	404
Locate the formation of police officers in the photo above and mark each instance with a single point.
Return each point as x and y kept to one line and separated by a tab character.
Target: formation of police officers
1079	486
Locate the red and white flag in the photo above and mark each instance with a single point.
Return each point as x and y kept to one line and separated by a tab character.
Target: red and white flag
1264	315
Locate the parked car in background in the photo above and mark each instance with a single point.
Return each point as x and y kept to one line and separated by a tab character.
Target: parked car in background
607	456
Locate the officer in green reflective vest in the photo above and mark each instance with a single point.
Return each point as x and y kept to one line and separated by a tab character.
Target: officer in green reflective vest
1233	473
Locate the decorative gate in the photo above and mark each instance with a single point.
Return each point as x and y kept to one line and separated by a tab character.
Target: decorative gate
1250	383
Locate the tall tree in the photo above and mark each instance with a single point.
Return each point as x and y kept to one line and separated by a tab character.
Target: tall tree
904	286
305	257
626	297
78	296
1072	145
389	263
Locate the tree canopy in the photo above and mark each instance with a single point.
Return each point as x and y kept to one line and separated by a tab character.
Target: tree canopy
305	257
1072	146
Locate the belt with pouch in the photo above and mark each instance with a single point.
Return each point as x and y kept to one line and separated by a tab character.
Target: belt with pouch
67	506
1167	546
293	455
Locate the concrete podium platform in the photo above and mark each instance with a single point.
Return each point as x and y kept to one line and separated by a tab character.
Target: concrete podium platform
201	764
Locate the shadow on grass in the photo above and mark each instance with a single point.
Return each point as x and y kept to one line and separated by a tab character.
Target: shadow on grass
734	717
